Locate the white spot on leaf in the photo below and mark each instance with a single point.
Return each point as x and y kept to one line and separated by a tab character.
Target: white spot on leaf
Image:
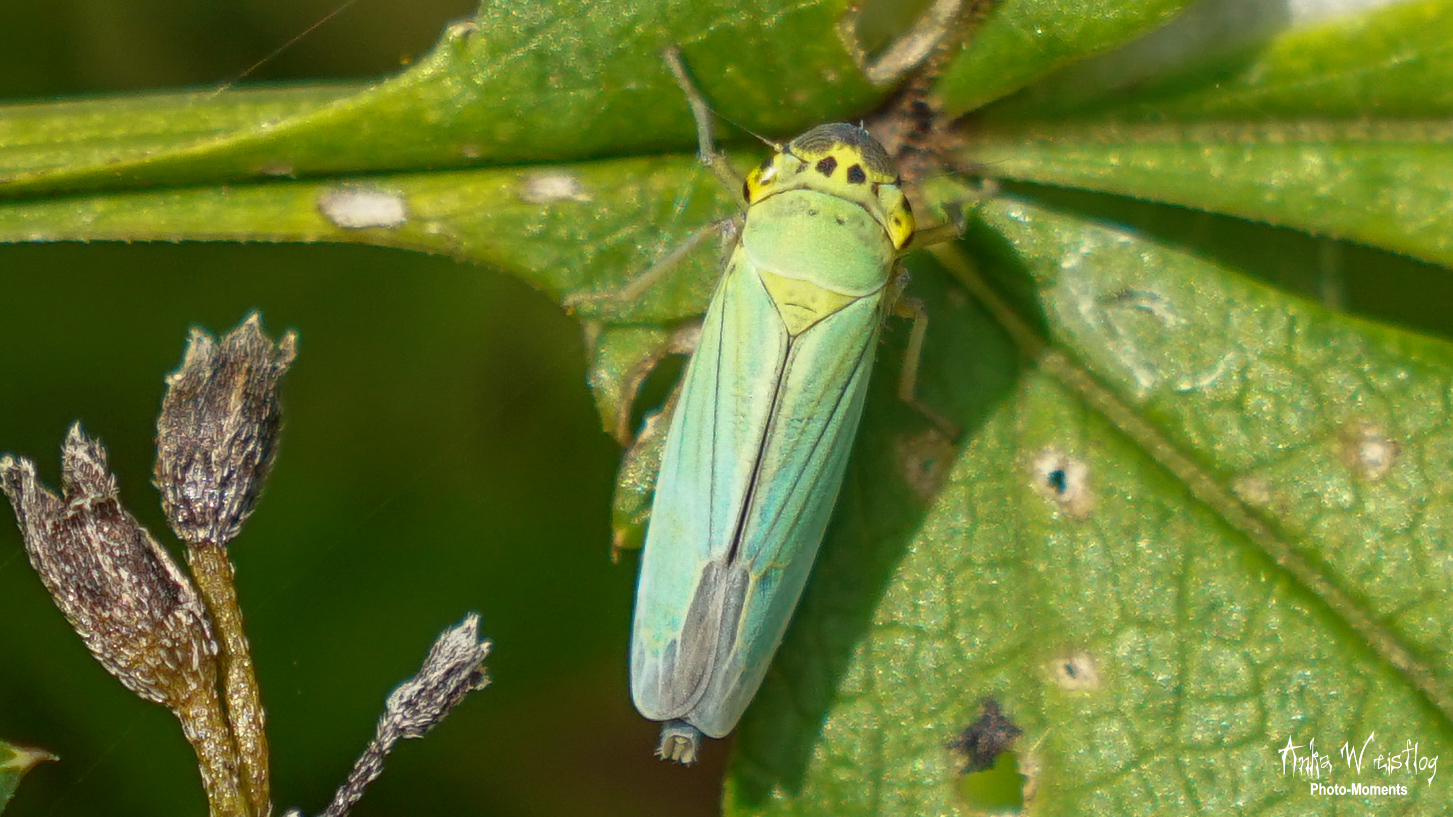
1254	491
551	186
1076	671
1368	450
924	461
358	208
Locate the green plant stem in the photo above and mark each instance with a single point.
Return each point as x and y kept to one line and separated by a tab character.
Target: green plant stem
213	573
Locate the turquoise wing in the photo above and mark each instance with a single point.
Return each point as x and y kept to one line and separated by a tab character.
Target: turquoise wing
753	464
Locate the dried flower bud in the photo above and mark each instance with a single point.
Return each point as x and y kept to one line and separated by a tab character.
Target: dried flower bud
121	592
453	668
217	432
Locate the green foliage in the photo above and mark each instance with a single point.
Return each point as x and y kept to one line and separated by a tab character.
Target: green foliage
1201	507
14	763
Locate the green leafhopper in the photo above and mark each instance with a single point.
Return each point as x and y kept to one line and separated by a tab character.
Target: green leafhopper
769	407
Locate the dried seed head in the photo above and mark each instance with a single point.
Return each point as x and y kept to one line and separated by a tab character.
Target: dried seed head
453	668
217	432
121	592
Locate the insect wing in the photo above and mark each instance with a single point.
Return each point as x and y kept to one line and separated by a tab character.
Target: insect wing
753	464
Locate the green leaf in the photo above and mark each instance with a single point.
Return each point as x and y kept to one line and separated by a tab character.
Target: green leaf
1382	185
1022	40
1385	61
1338	128
14	763
518	84
563	228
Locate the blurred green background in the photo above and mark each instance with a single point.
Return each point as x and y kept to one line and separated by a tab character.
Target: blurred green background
440	454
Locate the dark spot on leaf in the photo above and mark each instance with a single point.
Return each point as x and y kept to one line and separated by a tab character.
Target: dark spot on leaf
1056	480
1076	671
1064	481
826	165
982	741
924	460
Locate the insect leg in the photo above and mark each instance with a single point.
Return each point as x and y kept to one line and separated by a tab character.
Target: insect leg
907	307
701	112
637	286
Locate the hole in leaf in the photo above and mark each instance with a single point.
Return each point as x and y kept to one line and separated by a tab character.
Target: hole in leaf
996	790
990	781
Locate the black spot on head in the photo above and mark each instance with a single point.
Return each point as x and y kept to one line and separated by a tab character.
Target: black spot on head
826	165
825	138
856	175
765	166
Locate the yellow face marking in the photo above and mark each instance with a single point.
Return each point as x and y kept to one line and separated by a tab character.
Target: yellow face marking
844	161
